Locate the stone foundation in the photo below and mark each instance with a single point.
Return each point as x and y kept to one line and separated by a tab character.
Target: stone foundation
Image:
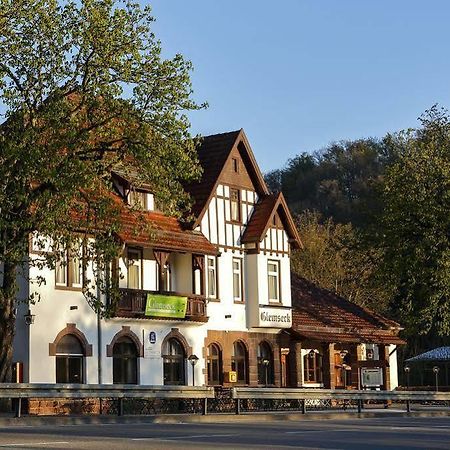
63	407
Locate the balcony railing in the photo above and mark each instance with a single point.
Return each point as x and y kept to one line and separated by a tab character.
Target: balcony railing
132	303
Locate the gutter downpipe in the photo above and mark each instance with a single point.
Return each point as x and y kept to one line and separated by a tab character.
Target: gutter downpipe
99	337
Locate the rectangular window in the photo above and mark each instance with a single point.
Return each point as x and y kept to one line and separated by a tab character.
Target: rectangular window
235	165
69	268
138	199
237	280
235	205
134	269
273	279
164	278
75	266
211	277
61	272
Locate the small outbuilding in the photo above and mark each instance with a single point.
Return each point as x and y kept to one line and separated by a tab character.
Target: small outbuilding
431	368
337	344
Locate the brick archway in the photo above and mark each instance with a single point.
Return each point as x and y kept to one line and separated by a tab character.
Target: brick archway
175	333
70	328
125	332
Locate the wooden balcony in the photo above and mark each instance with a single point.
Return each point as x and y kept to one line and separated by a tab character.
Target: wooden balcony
132	303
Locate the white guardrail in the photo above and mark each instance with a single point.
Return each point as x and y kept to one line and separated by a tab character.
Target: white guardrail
101	391
360	396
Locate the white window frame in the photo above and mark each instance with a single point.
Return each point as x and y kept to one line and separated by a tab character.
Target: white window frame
275	274
66	265
238	203
238	272
136	262
138	199
213	269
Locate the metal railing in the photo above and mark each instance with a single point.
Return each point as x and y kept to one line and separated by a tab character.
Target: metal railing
120	392
358	396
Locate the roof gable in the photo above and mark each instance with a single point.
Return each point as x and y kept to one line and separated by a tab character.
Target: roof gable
261	219
214	154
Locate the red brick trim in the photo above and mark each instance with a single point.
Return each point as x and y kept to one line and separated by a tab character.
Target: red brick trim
125	332
175	333
71	328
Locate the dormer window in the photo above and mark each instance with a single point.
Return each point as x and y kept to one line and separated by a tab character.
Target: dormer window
138	199
235	205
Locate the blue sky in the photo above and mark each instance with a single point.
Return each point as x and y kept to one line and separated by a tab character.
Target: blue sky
298	74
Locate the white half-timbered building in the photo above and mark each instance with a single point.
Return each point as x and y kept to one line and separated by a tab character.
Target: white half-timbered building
219	289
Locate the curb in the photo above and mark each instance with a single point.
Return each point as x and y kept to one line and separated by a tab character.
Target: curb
211	418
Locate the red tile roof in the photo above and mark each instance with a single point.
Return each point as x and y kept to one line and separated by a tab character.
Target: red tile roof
260	220
154	229
321	315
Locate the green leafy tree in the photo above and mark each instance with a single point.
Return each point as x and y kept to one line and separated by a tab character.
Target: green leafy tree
86	92
335	258
415	227
339	182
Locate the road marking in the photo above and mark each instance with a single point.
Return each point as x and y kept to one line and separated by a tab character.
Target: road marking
184	437
321	431
430	428
33	443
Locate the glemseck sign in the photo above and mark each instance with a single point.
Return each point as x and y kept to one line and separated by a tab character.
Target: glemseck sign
274	317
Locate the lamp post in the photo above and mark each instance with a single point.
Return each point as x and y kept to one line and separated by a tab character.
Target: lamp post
436	374
193	360
407	370
29	318
266	363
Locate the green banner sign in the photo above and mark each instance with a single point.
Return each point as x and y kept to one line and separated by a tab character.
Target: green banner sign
166	306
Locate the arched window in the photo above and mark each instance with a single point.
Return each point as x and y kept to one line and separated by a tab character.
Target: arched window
214	364
69	360
174	358
125	361
312	367
239	362
265	364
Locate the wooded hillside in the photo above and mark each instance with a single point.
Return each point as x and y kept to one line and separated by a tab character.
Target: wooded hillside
374	216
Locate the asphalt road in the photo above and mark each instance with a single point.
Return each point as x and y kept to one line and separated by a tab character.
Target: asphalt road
366	434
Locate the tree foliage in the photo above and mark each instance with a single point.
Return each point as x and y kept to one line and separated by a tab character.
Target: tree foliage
339	182
415	226
335	258
86	91
379	231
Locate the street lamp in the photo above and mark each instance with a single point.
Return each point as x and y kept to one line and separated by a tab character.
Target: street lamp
407	370
193	360
266	363
29	318
436	374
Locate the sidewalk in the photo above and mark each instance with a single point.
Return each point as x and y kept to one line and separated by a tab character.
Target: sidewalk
9	421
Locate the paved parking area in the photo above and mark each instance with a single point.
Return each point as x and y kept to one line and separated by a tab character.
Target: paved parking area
366	434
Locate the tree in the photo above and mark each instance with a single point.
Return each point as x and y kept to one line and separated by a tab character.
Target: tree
335	258
86	91
415	227
339	182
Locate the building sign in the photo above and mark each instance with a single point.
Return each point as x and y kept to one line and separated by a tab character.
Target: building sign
166	306
275	317
372	377
232	376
